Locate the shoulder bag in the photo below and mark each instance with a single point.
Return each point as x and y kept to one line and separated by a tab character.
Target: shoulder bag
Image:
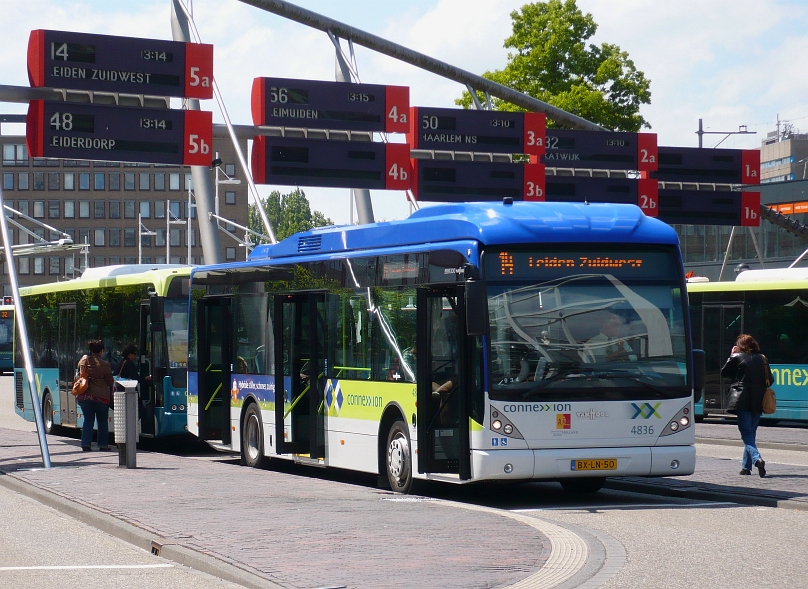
81	383
735	391
769	397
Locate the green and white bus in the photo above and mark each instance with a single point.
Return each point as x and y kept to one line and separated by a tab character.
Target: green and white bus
772	306
141	304
461	344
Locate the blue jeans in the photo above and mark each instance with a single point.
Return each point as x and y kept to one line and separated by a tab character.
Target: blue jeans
748	424
95	411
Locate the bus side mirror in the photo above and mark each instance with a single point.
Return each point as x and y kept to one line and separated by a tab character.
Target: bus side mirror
699	374
156	313
476	307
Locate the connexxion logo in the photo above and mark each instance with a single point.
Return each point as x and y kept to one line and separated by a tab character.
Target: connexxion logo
646	411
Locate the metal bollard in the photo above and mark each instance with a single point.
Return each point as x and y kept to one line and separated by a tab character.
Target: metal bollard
126	418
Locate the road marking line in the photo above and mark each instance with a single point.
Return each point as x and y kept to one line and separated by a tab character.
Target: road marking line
88	566
626	506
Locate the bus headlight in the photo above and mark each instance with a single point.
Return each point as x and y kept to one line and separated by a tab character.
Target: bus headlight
496	425
508	429
182	407
674	426
173	407
684	421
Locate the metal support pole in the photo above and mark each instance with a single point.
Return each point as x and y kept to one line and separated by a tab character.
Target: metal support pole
726	254
139	238
203	186
757	249
23	336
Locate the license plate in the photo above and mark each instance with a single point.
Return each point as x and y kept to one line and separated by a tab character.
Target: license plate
600	464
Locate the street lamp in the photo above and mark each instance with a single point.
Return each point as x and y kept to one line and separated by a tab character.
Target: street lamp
217	165
142	232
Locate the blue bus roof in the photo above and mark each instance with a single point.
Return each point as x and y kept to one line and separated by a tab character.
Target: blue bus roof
487	223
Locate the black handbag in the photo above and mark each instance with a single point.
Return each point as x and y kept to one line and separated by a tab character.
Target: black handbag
735	391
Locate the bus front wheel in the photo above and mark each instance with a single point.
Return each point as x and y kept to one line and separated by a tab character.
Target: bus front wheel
47	413
399	458
252	438
588	485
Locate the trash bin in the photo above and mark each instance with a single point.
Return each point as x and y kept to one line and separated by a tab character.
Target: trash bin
126	419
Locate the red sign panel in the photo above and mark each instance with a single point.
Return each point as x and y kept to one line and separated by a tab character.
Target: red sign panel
750	209
750	162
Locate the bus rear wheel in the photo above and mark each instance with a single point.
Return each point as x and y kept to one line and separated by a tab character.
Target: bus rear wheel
587	485
398	458
252	438
47	413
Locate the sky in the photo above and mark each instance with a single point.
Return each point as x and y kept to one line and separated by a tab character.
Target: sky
728	62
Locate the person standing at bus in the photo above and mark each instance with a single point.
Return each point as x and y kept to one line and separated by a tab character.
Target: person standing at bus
749	372
95	401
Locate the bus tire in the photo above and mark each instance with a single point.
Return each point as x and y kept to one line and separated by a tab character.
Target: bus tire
47	414
398	457
587	485
252	438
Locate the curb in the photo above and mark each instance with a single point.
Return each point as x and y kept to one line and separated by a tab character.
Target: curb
700	493
163	547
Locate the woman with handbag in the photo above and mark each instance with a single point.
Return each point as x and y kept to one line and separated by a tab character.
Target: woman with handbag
750	373
95	401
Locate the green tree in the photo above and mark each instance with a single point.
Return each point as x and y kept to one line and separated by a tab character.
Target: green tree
287	213
552	62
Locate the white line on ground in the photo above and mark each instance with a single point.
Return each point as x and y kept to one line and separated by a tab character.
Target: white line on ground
88	566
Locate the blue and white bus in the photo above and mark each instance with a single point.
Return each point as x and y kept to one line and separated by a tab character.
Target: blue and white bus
772	306
461	344
7	335
140	304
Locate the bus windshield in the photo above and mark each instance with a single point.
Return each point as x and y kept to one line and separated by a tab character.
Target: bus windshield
585	325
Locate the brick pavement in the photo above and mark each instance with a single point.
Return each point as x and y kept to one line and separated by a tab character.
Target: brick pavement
281	527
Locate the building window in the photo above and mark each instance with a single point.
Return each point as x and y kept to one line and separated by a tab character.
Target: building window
8	180
229	198
114	260
99	237
22	207
39	180
99	212
159	180
22	181
84	181
115	237
53	209
115	181
230	253
159	209
230	170
176	237
129	237
98	181
128	209
39	209
160	238
69	268
53	180
70	181
39	265
99	261
70	209
174	209
189	182
145	240
15	154
84	209
145	209
145	184
25	265
114	209
54	265
129	181
71	233
174	181
84	235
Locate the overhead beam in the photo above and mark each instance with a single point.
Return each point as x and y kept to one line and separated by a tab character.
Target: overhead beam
430	64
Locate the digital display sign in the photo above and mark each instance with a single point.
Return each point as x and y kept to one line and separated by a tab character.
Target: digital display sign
519	263
710	166
705	207
637	191
457	129
103	63
462	181
572	148
338	164
76	131
314	104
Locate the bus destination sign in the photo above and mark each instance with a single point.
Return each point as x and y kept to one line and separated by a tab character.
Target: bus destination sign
710	166
337	164
313	104
75	131
457	129
103	63
461	181
572	148
637	191
706	207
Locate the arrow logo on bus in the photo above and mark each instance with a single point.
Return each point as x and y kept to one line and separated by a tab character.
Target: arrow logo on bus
646	411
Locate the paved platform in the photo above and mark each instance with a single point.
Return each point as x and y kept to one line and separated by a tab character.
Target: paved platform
275	528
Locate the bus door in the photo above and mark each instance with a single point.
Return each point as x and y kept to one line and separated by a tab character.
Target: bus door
146	350
442	362
68	359
214	353
721	326
300	368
